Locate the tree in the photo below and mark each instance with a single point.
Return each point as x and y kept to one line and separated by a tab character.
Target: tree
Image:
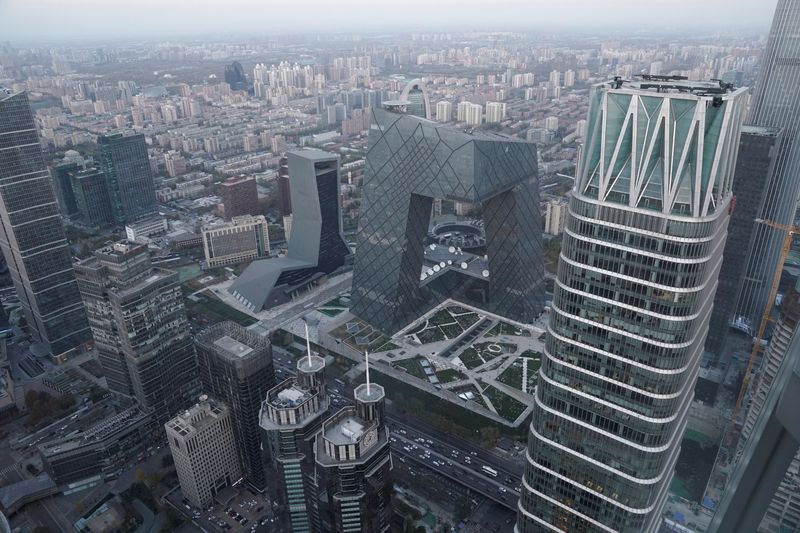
463	509
421	529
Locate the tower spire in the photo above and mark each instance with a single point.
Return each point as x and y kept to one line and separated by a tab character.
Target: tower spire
366	356
308	344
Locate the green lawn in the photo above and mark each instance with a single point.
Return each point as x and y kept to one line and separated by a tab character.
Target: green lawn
512	376
218	310
471	358
504	328
450	374
412	367
506	406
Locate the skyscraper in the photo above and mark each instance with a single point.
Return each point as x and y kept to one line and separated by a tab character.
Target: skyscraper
290	418
236	368
90	191
32	235
775	104
640	257
124	160
235	76
352	454
419	104
755	166
140	328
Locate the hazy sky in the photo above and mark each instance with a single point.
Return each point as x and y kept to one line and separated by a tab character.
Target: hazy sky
31	20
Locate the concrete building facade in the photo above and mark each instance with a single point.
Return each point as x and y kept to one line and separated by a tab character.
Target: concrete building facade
242	239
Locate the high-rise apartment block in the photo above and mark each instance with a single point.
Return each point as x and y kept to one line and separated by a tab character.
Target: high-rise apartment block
444	111
774	106
555	216
202	443
32	235
353	457
124	160
236	367
290	418
495	112
636	281
239	196
175	163
242	239
139	324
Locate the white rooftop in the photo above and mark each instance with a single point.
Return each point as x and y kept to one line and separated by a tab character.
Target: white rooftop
231	345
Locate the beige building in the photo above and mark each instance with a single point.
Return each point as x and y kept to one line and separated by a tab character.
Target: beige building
202	445
242	239
555	216
444	111
495	112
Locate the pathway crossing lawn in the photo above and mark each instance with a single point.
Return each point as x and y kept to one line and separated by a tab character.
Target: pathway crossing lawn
506	406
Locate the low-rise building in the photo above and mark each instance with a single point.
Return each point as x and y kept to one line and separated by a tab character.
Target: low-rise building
242	239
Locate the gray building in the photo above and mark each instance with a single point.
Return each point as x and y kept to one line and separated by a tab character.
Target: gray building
290	418
90	191
140	328
32	235
236	368
124	160
62	172
775	104
201	440
355	463
100	451
755	165
317	247
640	258
412	161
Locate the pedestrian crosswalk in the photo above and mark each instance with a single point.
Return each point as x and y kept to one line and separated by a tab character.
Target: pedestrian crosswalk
8	470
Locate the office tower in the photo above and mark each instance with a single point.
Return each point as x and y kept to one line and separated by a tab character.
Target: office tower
236	368
201	440
235	76
774	105
90	191
242	239
419	104
239	196
317	247
353	457
32	235
62	172
290	418
495	112
284	188
555	216
410	162
636	280
140	328
444	111
755	166
130	181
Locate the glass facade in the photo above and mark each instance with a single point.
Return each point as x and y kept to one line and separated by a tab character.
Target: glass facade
412	161
236	367
636	279
91	197
124	160
32	235
776	104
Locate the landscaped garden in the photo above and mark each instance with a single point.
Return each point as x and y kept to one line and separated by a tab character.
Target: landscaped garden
506	406
504	328
444	324
513	374
483	352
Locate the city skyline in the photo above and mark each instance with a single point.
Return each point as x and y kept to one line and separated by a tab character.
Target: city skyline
189	18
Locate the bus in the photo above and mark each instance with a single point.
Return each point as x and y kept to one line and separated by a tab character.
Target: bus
489	470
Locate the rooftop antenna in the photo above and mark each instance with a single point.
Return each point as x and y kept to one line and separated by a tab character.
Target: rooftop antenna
308	344
366	355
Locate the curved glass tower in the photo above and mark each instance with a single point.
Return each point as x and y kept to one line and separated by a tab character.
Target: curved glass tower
636	279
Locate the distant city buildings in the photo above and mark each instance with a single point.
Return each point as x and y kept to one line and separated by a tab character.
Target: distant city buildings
140	329
416	94
495	112
444	111
32	236
242	239
202	443
236	367
123	159
239	196
555	216
235	76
